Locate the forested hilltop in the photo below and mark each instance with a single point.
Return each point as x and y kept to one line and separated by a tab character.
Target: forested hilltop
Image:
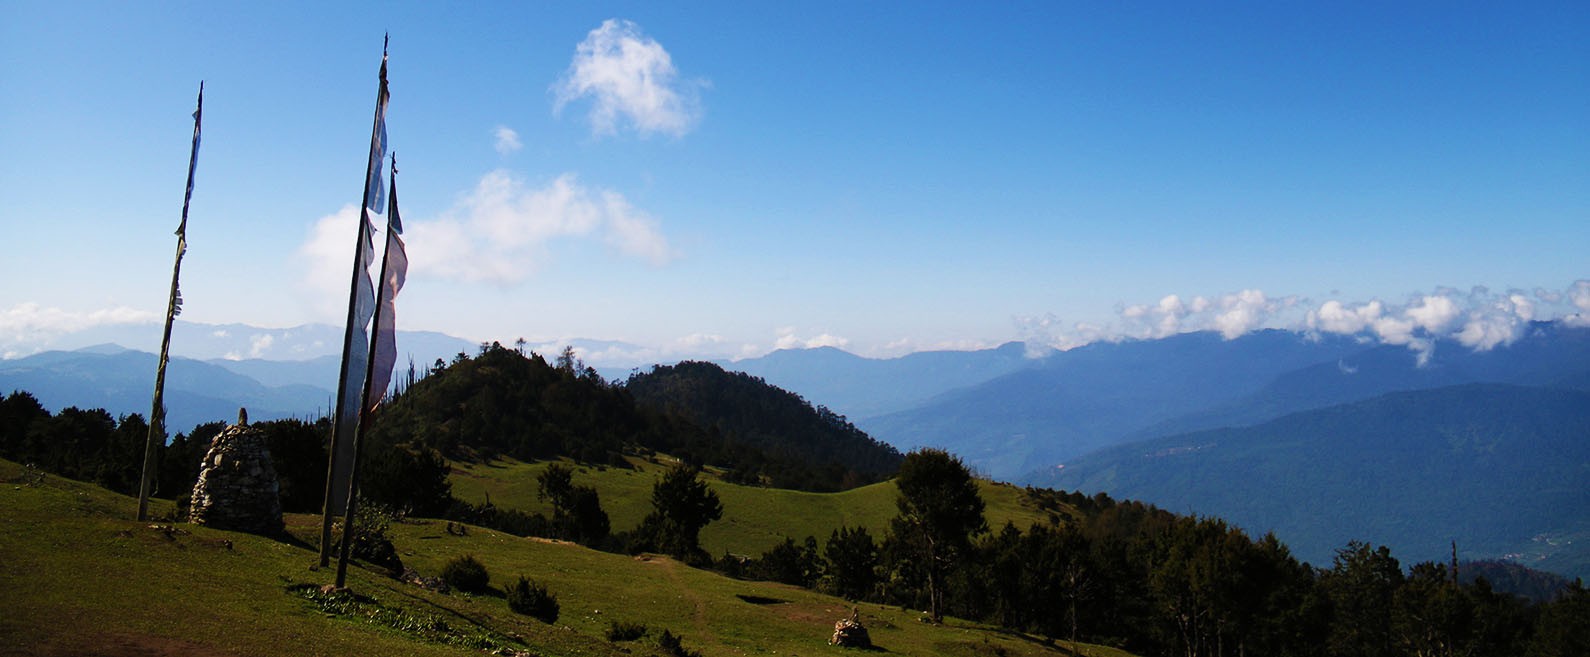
747	410
503	401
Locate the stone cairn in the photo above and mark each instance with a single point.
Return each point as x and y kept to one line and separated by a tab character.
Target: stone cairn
237	488
849	633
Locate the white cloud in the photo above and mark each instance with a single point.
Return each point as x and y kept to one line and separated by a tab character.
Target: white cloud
1579	294
630	78
260	344
1232	315
1045	333
495	233
29	327
1246	311
1480	319
326	262
633	232
787	339
507	140
1434	313
1334	317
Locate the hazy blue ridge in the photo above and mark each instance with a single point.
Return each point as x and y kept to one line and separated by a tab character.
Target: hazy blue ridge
123	383
1503	470
859	388
1549	354
1076	401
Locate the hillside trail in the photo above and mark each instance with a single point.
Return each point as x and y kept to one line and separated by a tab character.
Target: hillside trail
698	617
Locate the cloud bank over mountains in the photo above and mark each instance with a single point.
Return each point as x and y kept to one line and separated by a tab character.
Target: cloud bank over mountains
25	327
1480	318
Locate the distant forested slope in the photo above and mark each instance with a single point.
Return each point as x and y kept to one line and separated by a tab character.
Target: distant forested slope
745	409
1503	470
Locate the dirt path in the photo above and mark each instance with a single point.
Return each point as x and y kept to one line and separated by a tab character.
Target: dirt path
701	630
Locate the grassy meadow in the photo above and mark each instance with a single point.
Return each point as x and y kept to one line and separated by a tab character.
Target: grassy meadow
82	578
754	519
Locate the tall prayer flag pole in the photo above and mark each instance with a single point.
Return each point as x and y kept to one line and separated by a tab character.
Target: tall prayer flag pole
157	412
383	355
361	298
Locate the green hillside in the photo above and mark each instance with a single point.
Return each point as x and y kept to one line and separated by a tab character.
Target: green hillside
754	519
83	579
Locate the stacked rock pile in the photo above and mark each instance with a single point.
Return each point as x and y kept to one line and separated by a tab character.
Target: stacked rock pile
237	488
849	633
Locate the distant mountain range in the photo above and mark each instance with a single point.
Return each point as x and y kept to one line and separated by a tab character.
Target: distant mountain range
1502	470
1352	418
860	387
218	378
1095	396
1105	394
122	382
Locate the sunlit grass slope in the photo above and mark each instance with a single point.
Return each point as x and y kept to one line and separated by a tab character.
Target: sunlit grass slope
754	519
82	578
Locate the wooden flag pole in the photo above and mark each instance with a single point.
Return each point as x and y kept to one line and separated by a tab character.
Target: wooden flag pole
157	411
364	399
347	337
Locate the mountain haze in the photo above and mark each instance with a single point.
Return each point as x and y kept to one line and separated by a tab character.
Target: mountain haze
1094	396
860	387
122	382
1502	470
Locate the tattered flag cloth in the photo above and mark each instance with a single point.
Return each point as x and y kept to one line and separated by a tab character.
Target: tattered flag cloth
361	307
396	270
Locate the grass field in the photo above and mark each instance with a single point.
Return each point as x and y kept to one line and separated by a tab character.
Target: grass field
82	578
754	519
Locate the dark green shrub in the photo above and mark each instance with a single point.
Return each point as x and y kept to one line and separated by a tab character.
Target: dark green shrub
370	542
670	646
533	600
466	574
617	631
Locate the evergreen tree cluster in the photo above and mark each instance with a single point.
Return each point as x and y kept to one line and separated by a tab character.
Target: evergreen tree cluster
1155	583
90	445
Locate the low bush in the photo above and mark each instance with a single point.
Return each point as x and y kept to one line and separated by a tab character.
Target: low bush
370	541
534	600
670	646
617	631
466	574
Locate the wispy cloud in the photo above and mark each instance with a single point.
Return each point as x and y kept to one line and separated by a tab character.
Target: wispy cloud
28	327
787	339
498	232
631	81
507	140
326	261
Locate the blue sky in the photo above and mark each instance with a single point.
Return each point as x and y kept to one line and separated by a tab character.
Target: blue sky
721	179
